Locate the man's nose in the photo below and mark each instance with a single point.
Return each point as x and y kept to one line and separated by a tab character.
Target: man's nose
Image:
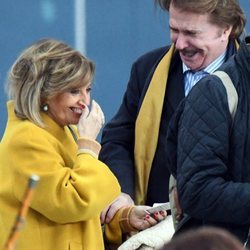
180	42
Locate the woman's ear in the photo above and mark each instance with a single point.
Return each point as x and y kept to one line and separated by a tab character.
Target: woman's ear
44	105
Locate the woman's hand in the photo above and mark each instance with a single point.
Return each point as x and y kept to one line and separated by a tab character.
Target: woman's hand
140	219
91	122
121	201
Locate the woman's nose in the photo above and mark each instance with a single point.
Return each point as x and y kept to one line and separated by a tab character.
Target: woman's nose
85	99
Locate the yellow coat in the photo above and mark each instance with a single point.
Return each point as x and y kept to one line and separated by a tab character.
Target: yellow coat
72	191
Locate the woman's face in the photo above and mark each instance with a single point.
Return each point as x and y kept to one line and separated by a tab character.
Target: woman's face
66	108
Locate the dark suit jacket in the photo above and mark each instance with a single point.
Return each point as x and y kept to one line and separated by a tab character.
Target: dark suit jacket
118	135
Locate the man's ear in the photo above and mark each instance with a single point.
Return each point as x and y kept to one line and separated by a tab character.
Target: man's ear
226	33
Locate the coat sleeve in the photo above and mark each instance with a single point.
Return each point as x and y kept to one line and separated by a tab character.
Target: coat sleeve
71	188
206	188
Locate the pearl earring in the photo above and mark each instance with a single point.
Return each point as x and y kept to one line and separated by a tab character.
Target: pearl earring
45	108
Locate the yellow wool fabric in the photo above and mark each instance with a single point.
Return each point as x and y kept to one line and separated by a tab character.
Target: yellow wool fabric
113	230
147	126
72	191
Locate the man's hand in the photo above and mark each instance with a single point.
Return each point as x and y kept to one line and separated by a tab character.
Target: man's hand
123	200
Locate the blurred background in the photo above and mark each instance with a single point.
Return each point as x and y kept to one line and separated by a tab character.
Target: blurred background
113	33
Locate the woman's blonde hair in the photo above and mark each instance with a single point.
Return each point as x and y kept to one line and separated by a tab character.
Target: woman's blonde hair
42	71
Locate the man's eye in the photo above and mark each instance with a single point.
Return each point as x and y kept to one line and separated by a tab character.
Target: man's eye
174	30
191	33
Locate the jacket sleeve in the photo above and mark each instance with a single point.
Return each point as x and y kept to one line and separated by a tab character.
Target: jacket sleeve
205	185
71	188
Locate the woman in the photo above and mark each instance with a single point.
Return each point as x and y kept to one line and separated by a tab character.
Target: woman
49	86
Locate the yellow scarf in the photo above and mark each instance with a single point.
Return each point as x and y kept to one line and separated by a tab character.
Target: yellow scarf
147	126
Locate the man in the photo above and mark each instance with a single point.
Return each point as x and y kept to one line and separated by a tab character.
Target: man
203	34
213	167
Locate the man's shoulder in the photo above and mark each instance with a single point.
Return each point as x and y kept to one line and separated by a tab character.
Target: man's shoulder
154	54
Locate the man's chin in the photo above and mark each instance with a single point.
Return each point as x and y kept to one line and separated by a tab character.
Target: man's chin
193	62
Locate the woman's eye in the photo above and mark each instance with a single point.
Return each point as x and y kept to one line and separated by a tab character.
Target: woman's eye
89	89
74	91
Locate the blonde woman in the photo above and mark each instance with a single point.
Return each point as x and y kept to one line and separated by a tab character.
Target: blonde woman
51	131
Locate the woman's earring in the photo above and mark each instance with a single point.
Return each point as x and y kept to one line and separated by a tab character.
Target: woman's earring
45	107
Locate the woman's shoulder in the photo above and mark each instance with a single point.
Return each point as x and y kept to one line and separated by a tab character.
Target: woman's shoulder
26	132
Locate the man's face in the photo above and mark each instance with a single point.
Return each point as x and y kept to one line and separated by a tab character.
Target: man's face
198	40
